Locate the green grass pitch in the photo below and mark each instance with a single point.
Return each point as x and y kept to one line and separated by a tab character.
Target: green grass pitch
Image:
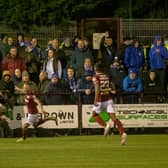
141	151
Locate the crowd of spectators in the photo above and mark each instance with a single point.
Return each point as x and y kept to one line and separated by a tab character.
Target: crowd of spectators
62	72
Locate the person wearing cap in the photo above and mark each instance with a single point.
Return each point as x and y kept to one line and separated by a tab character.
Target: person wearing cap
55	91
7	88
132	85
86	88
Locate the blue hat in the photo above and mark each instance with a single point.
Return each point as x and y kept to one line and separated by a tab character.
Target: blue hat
54	75
132	70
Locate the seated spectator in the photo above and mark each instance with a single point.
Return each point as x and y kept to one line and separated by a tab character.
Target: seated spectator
19	87
132	85
17	77
71	83
151	88
43	82
117	74
7	89
55	91
86	88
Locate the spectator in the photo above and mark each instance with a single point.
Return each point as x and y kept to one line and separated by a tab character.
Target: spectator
7	88
107	52
4	48
71	83
19	87
43	82
54	91
132	85
10	42
134	57
13	61
86	88
52	64
32	63
117	75
67	48
157	57
126	43
151	88
17	77
59	53
78	57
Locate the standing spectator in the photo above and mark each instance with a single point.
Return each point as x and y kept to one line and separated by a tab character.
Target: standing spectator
134	57
78	57
4	48
157	57
86	88
32	63
13	61
107	52
59	53
52	64
132	85
67	48
126	43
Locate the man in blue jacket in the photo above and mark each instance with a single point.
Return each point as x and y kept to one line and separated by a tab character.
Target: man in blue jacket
157	58
132	85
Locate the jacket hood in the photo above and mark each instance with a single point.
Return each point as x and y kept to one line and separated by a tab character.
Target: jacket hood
157	37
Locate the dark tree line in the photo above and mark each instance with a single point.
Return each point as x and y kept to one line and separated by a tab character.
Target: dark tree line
27	13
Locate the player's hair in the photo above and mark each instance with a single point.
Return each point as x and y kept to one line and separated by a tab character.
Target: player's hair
99	67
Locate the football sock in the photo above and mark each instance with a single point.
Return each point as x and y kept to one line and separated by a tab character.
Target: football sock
100	120
120	128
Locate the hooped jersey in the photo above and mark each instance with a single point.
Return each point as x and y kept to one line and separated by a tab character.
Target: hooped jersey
103	81
31	104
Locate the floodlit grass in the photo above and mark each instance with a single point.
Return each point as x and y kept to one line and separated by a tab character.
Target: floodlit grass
142	151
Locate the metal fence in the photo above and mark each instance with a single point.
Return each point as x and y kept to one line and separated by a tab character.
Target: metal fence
43	34
144	29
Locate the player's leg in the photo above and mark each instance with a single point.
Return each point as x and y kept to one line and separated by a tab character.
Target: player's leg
24	132
95	114
96	110
40	121
117	122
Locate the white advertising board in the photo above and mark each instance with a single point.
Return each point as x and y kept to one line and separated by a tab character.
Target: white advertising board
67	116
131	115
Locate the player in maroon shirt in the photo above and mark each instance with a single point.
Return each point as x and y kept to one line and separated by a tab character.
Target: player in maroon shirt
34	106
104	88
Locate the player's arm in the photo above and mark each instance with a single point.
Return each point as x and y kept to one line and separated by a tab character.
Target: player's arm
97	91
113	88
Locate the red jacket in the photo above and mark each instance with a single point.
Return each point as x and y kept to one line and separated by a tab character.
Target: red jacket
11	64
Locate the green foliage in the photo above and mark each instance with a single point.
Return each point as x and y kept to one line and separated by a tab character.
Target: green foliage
25	15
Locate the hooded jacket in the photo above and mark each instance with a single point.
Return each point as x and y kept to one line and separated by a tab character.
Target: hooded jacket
157	59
